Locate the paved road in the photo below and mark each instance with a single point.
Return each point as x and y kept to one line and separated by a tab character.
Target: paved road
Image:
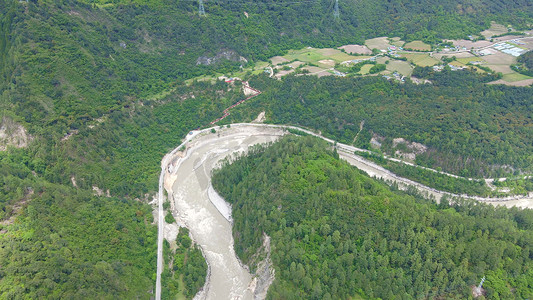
207	149
161	216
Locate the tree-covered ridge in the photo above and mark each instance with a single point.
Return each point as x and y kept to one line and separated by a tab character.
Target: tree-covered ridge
527	60
188	268
68	243
72	61
97	72
337	233
468	126
425	19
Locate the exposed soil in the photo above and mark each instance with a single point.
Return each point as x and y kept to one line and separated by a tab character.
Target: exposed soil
13	134
356	49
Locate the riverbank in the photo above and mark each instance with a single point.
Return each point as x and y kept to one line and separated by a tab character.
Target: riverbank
187	178
188	184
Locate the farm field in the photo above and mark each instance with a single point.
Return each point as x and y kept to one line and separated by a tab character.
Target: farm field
422	59
316	71
504	69
418	45
321	62
356	49
457	64
495	29
401	67
526	82
468	44
396	41
276	60
296	64
382	59
513	77
472	59
457	55
381	43
365	69
313	55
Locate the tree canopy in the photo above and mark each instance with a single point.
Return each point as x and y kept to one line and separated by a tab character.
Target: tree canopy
336	233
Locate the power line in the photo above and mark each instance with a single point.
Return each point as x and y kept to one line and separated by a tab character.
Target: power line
201	10
336	13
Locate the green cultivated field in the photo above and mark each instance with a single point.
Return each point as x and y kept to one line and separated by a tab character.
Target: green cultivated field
418	45
422	60
313	55
365	69
401	67
512	77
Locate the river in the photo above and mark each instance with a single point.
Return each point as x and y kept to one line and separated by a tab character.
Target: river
187	179
209	225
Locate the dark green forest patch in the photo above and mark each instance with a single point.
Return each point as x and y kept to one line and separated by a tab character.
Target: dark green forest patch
471	129
337	233
188	268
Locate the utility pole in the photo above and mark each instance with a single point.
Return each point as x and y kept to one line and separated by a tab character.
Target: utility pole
336	13
201	10
481	283
477	290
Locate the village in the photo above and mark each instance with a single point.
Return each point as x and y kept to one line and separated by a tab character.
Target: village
393	59
398	59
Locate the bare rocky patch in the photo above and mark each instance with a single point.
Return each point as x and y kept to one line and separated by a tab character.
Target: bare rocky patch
13	134
221	56
407	150
260	118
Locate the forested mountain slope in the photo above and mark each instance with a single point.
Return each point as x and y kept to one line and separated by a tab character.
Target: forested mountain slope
68	243
336	233
98	85
470	128
72	61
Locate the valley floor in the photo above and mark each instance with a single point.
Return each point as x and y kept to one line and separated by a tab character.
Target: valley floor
187	179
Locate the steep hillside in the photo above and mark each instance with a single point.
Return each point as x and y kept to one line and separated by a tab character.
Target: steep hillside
98	85
76	61
471	129
338	234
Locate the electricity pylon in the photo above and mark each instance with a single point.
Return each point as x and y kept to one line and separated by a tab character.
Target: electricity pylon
201	10
336	13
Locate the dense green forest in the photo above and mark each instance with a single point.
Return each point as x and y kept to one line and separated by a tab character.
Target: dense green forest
99	87
470	128
336	233
122	155
73	61
432	179
524	64
188	270
67	243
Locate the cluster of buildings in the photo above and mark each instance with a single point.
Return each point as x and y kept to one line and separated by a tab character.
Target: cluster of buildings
439	68
396	76
455	48
509	49
392	51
